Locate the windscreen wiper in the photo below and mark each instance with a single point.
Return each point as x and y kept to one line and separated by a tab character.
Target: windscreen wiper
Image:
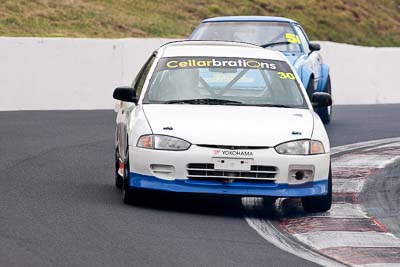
272	105
273	44
204	101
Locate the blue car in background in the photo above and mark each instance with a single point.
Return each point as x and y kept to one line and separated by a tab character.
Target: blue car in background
277	33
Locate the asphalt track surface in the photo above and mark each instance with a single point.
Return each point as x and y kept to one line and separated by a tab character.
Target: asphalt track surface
58	205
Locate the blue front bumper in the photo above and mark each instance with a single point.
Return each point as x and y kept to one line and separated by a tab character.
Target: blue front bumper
236	188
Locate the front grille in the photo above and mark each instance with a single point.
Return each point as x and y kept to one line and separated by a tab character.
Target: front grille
202	171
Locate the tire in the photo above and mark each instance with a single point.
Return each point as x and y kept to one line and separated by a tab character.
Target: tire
325	113
129	195
118	178
320	203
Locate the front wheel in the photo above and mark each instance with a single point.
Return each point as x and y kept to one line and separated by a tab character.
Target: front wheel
320	203
127	194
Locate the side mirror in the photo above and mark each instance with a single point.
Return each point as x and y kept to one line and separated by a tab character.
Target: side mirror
320	99
315	47
126	94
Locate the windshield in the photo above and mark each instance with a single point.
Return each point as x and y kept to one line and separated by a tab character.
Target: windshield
224	81
274	35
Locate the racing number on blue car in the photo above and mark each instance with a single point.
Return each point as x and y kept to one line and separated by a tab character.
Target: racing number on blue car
292	38
286	75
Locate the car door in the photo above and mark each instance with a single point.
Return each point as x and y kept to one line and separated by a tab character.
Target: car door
126	109
314	59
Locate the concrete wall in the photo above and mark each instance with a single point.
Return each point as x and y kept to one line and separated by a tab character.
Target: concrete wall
58	73
363	75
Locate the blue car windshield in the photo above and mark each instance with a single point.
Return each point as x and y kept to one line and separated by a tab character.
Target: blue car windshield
228	81
274	35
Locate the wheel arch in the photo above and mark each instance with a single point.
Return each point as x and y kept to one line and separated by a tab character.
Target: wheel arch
306	75
324	78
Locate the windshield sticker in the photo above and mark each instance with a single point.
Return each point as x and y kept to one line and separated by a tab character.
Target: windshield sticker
292	38
286	75
222	64
215	63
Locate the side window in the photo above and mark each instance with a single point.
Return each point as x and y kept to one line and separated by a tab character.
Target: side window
141	77
303	39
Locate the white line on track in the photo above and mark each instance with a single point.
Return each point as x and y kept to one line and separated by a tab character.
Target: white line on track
328	239
378	265
348	186
343	211
363	161
346	148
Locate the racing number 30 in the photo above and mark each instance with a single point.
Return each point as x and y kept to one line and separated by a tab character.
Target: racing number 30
286	75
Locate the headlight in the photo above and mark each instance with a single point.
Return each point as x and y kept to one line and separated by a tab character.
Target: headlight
162	142
301	147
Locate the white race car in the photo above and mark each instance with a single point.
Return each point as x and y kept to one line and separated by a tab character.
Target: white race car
221	118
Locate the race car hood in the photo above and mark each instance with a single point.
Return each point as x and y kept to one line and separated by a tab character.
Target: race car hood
230	125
